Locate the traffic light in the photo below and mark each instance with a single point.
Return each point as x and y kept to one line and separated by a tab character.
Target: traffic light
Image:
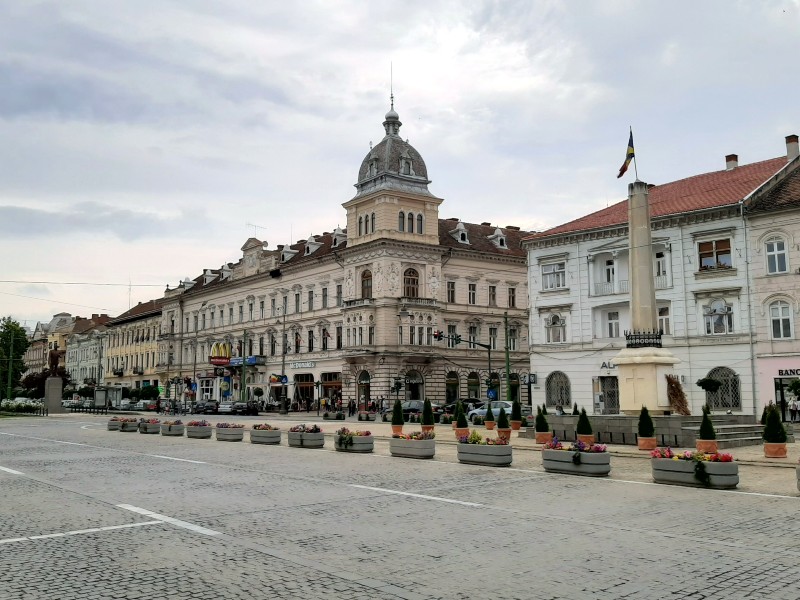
437	335
458	338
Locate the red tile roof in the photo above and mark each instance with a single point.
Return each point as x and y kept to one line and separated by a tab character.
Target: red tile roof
710	190
785	194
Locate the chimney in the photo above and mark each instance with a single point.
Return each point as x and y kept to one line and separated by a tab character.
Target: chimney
731	162
792	148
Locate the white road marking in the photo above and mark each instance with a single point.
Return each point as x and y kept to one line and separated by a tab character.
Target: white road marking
12	471
197	462
422	496
170	520
77	532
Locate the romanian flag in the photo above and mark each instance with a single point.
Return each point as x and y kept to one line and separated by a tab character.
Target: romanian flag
628	157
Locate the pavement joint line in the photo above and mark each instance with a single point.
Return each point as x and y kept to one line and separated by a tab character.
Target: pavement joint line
413	495
170	520
197	462
48	536
12	471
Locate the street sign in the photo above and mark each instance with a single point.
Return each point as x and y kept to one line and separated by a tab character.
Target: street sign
284	379
491	394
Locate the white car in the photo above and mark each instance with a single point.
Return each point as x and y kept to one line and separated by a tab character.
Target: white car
496	406
225	408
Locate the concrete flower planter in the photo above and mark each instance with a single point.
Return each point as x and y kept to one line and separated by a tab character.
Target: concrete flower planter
172	430
412	448
128	427
797	472
300	439
681	472
199	432
478	454
592	464
229	434
361	443
150	428
265	436
113	425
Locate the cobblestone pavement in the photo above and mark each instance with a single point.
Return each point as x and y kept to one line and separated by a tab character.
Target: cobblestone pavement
89	514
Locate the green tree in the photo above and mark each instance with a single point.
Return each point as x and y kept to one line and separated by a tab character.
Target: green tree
397	413
542	425
707	431
427	413
516	411
646	427
13	344
502	419
584	427
774	431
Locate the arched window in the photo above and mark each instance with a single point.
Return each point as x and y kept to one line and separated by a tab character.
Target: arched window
419	224
555	327
410	222
401	221
728	395
557	390
360	222
718	317
363	389
372	223
451	387
415	386
473	385
780	316
411	283
366	284
775	251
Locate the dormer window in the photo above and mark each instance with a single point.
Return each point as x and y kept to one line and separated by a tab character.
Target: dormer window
287	254
498	238
460	234
373	168
339	236
405	167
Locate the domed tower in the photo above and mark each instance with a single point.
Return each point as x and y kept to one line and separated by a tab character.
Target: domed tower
392	198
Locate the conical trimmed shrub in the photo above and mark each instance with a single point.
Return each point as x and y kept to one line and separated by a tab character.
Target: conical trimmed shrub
542	426
774	431
516	411
646	427
707	431
584	427
502	420
397	413
427	413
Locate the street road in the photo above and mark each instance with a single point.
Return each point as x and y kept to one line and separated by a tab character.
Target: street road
89	514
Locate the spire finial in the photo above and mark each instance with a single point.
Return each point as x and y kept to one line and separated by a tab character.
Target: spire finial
391	85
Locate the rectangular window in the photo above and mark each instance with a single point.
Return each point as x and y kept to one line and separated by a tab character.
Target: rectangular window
429	336
272	307
212	319
780	315
661	265
203	321
324	297
360	336
451	334
492	295
338	294
451	291
297	306
261	309
348	337
609	271
339	337
272	344
420	335
512	297
128	335
612	324
554	276
412	335
400	335
555	327
325	336
493	337
473	291
310	333
285	304
371	332
250	311
718	318
473	335
776	256
310	299
663	320
297	342
241	313
230	315
714	255
512	338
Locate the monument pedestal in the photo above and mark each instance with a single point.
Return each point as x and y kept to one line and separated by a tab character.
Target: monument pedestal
53	388
641	374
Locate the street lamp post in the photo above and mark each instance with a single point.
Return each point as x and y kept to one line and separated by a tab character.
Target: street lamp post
318	385
283	409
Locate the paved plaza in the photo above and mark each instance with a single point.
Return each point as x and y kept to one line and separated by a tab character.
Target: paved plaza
87	513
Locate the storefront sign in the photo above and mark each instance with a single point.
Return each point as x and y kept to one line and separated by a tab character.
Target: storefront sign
788	372
249	361
310	364
608	365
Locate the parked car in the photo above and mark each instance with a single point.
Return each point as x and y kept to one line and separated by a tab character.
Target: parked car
414	407
245	408
450	409
225	408
496	406
140	405
126	405
208	407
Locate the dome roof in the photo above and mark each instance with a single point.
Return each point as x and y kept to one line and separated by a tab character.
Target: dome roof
393	163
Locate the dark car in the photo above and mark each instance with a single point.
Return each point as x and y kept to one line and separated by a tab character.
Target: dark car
205	407
245	408
414	407
450	409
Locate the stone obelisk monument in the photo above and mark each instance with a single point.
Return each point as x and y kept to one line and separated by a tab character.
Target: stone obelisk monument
643	364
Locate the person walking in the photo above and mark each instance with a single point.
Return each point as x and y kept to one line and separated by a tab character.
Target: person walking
793	410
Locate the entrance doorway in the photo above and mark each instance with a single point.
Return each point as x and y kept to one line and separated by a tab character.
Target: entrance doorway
609	399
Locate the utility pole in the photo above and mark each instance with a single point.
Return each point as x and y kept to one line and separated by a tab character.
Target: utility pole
243	396
283	409
508	361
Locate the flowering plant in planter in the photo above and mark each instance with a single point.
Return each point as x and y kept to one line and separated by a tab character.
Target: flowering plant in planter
345	436
415	435
115	419
229	426
200	423
265	427
176	422
152	421
303	428
476	438
579	446
700	458
554	444
128	420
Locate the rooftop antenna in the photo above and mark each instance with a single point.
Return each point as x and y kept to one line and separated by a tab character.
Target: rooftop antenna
255	227
391	84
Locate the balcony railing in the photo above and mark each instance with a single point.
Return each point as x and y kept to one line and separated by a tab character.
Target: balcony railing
138	371
606	288
359	302
117	372
418	301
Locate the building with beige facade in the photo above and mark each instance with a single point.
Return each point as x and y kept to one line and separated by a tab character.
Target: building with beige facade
351	312
130	347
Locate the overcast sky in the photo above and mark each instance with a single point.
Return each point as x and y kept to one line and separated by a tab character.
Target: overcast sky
140	138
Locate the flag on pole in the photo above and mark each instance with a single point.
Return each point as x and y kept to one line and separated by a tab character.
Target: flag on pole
628	157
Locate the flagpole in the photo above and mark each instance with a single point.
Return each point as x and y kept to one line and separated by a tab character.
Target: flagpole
635	168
